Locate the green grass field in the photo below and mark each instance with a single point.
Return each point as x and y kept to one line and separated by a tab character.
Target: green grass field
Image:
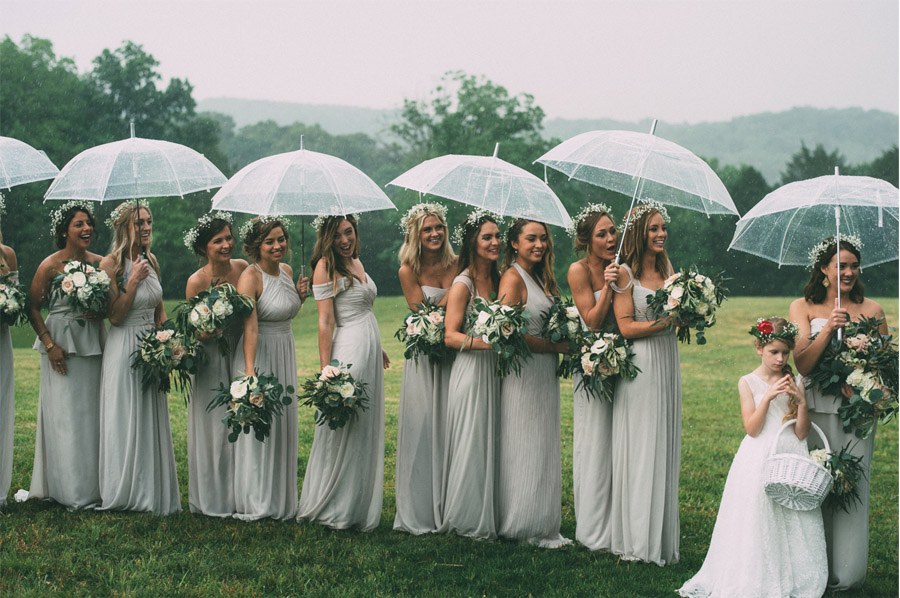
46	550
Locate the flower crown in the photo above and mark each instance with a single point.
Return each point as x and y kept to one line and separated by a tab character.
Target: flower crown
765	333
591	208
125	205
471	220
319	220
247	227
419	209
816	252
190	236
56	215
644	206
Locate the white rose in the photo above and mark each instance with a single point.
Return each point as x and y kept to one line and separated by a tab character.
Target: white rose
178	353
856	378
599	346
164	335
482	319
12	305
78	279
220	308
572	312
414	328
507	329
819	456
67	285
72	266
102	277
194	317
238	388
672	303
89	269
83	293
346	390
699	278
676	293
573	327
587	366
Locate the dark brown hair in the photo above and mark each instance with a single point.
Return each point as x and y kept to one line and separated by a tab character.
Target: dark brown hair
324	248
258	231
468	247
543	271
815	292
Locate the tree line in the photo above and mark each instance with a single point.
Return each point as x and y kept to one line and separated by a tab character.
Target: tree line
47	103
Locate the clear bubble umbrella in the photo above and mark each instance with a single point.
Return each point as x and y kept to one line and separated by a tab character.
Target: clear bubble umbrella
134	168
489	183
20	163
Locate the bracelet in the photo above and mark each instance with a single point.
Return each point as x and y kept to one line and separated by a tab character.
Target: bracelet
50	346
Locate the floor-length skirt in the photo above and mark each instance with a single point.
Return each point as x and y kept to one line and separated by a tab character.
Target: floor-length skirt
210	455
592	468
473	416
344	483
265	473
7	412
529	472
420	445
137	462
646	455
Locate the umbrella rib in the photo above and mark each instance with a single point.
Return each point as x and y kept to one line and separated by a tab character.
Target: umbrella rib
174	174
115	158
331	184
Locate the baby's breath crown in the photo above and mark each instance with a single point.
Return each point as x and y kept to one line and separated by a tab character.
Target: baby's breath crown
474	216
419	209
646	205
56	215
248	226
765	333
190	236
319	220
816	252
125	205
591	208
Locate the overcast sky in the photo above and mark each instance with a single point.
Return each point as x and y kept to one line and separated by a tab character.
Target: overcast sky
674	60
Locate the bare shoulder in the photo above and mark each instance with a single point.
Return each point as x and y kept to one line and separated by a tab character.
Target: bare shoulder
287	270
578	271
872	308
9	256
320	273
406	274
239	265
799	307
107	262
196	282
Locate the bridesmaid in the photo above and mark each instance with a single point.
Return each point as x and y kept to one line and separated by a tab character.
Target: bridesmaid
67	447
265	473
646	427
529	472
137	463
344	483
210	455
817	312
589	280
473	400
8	269
427	268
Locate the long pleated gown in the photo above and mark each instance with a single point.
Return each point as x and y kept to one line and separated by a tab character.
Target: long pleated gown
265	473
529	470
67	446
420	440
344	483
646	448
137	463
7	408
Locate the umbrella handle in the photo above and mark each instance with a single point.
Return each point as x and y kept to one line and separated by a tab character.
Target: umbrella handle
837	256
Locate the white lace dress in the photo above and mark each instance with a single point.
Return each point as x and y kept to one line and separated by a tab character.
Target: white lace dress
759	548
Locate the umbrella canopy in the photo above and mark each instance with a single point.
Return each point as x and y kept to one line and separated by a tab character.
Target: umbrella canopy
301	183
642	165
791	220
20	163
489	183
135	168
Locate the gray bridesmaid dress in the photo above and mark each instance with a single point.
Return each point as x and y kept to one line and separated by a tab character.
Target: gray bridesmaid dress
67	447
137	462
420	439
846	534
646	447
265	473
210	455
344	483
529	472
470	465
7	408
592	464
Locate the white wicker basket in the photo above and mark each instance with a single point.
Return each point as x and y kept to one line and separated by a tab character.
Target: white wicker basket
796	481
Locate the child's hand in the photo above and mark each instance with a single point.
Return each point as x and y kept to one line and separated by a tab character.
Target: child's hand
783	385
797	392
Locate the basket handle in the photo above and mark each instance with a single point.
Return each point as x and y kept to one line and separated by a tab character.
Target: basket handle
794	421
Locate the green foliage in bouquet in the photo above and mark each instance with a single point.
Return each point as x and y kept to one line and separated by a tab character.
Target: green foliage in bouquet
691	299
164	351
84	286
847	470
562	324
335	394
13	303
212	312
503	327
604	358
252	403
422	332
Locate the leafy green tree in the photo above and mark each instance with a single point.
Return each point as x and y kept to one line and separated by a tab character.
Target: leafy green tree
808	164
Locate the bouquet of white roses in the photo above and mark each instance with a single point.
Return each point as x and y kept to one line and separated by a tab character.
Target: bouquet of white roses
84	286
847	471
13	303
866	361
605	357
503	327
422	332
252	402
211	312
562	323
334	393
691	299
164	351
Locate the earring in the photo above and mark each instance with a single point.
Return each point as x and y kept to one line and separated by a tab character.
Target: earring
825	282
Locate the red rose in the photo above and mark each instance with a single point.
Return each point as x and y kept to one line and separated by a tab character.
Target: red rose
765	327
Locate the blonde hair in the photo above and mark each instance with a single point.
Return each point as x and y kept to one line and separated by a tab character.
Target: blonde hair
124	238
411	250
634	245
324	248
543	271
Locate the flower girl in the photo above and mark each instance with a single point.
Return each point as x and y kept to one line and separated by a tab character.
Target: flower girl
759	548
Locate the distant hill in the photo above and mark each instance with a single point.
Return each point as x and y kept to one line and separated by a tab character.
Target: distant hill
765	141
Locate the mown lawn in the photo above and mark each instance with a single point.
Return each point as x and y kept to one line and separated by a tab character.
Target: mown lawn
45	549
